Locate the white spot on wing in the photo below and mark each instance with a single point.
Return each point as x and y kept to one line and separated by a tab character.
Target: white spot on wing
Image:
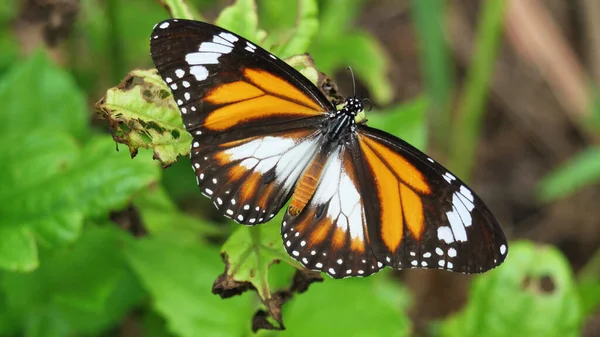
212	47
200	72
445	234
463	212
220	40
503	249
164	25
179	73
202	58
452	252
458	229
229	37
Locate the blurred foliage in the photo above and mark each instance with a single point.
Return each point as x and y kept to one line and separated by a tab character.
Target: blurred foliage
72	208
534	287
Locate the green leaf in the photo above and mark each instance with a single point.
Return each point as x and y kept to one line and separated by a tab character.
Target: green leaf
337	47
18	250
406	121
362	52
532	294
242	19
250	251
334	21
349	307
9	43
161	217
429	23
471	107
50	194
307	25
589	284
143	114
179	277
248	254
181	9
582	170
81	289
35	95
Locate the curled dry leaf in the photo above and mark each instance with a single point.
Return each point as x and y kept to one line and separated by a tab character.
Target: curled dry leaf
142	114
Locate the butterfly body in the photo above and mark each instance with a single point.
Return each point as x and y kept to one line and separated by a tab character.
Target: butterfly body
361	199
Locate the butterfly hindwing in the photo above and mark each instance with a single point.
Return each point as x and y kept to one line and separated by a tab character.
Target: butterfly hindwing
249	180
423	216
330	233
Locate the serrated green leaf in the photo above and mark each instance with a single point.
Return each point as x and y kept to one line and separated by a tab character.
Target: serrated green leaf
143	114
35	94
249	254
250	251
180	277
407	121
50	195
242	19
360	307
531	294
580	171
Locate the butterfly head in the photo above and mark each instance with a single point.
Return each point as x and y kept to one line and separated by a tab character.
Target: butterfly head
353	106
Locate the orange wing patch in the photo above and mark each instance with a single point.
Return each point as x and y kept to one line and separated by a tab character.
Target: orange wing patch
260	107
398	184
404	170
413	211
233	92
278	86
389	197
258	96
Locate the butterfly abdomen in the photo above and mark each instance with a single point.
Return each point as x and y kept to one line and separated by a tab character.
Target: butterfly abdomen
307	185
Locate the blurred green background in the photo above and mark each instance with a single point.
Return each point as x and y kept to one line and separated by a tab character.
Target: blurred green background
95	243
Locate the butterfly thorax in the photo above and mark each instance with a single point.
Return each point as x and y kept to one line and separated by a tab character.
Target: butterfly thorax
342	122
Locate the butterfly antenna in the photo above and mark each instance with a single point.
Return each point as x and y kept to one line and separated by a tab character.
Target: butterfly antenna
370	103
353	82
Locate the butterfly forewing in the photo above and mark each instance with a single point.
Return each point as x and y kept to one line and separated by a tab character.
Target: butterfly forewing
223	83
252	117
425	217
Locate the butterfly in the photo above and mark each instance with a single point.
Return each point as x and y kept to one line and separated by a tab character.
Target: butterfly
361	199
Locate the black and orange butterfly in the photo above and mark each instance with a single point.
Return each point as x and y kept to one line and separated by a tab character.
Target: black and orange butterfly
361	199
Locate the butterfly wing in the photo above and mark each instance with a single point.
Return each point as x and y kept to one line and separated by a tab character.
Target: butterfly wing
423	216
381	202
330	234
252	116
